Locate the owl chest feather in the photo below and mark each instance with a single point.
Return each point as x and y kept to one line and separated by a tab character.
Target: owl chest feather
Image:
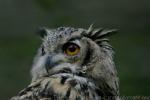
60	87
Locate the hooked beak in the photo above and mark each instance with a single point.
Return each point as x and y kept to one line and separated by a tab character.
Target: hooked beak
53	60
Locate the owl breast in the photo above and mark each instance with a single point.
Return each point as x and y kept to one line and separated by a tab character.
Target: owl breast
62	86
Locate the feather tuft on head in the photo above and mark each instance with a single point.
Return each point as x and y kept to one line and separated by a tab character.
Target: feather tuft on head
99	35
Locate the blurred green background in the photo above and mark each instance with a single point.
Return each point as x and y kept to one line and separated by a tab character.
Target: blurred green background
19	20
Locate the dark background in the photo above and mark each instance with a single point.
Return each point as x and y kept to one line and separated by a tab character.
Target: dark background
19	20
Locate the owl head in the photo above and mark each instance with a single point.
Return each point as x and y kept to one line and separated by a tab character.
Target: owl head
81	52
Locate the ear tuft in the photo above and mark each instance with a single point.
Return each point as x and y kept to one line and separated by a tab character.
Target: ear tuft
42	32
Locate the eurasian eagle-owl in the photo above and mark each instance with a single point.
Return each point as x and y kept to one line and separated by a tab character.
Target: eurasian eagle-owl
74	64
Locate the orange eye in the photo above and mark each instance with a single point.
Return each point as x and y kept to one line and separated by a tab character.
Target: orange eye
71	49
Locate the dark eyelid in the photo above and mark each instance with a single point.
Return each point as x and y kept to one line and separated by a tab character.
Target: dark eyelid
67	44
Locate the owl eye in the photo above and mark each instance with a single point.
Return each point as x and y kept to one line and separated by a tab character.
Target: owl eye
71	49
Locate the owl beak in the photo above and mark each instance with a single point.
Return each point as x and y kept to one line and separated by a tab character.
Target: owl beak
53	60
56	63
50	63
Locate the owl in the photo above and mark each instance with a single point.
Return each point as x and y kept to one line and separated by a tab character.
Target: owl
73	64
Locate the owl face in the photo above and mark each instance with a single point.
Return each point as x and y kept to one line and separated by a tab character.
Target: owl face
65	50
81	52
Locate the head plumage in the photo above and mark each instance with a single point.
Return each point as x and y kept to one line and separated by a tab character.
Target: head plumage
99	35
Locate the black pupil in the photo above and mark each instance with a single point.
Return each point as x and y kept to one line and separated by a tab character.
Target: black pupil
72	48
